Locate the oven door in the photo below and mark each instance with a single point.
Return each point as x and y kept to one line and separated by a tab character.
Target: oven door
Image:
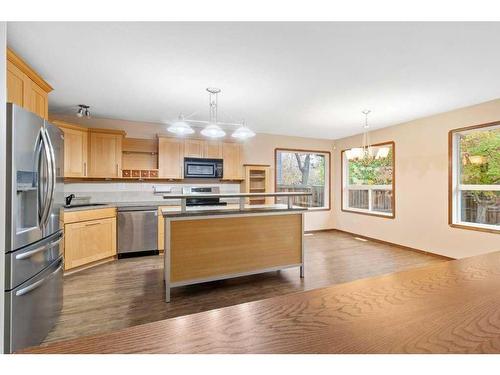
199	169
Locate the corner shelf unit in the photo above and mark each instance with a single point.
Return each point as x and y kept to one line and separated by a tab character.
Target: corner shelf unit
257	180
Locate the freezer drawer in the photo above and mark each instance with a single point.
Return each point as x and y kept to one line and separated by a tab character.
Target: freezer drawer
25	263
33	308
137	231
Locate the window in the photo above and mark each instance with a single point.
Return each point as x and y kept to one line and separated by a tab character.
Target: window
304	170
474	192
368	181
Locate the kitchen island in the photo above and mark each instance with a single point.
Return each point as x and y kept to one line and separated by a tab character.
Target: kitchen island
207	244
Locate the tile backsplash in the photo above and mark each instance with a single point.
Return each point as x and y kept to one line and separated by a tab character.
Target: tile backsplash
109	192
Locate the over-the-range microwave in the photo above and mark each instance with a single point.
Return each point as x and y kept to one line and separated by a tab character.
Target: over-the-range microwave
203	168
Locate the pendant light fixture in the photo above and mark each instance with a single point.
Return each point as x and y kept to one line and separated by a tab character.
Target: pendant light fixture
213	127
367	151
212	130
243	133
180	127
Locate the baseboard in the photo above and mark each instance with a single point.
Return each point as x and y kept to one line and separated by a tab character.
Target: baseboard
89	265
319	230
383	242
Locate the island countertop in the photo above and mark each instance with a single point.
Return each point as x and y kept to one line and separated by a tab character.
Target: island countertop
230	209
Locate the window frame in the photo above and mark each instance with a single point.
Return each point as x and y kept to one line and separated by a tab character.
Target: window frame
328	182
454	185
344	190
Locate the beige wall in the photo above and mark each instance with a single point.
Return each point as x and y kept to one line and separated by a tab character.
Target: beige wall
260	150
421	186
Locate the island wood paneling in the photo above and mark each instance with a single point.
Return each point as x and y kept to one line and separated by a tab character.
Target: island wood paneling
451	307
205	248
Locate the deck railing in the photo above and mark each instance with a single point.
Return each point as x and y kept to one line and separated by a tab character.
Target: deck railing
317	199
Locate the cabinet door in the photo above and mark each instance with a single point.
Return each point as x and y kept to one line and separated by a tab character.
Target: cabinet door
213	150
17	82
38	100
193	148
89	241
231	153
170	157
75	152
105	155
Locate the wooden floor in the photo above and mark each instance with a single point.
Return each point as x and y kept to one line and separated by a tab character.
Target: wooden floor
130	292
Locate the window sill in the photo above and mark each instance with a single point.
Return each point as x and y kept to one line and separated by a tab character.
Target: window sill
316	209
476	227
369	213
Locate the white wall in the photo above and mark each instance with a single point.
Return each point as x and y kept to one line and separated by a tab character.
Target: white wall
3	99
421	186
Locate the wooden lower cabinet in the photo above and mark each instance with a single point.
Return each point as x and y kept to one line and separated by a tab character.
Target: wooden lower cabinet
89	241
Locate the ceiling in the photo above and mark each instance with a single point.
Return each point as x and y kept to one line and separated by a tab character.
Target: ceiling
304	79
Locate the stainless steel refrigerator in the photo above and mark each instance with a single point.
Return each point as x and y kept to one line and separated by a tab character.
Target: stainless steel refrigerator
33	251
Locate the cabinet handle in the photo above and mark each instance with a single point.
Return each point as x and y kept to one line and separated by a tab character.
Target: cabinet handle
117	175
85	169
91	224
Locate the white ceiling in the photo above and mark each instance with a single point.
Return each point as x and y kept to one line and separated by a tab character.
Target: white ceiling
306	79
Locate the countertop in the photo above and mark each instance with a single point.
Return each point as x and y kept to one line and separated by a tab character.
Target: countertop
450	307
230	209
122	204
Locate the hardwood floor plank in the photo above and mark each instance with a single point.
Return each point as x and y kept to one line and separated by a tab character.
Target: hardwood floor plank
130	292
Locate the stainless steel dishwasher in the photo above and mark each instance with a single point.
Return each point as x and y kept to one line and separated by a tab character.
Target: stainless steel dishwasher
137	230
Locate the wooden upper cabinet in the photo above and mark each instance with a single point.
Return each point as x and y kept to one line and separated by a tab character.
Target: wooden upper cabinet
25	87
231	154
170	157
38	100
17	91
194	148
105	154
213	150
75	149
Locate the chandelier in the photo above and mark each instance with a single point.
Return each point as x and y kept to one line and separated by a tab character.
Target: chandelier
213	128
367	152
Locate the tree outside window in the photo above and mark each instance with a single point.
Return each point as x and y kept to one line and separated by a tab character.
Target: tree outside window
477	177
303	171
368	180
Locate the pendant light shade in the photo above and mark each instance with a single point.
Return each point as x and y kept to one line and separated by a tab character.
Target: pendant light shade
213	131
180	128
243	133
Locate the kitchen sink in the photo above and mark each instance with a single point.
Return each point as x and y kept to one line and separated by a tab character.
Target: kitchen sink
85	205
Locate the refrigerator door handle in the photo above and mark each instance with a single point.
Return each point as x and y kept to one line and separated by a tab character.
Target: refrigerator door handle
35	285
38	177
53	174
49	192
29	254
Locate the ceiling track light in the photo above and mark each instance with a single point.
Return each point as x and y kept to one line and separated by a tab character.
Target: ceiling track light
83	110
